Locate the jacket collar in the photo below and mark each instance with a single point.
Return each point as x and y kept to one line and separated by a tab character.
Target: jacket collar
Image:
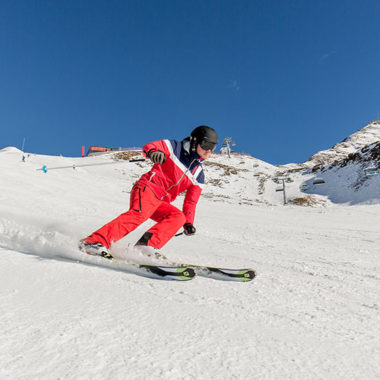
188	151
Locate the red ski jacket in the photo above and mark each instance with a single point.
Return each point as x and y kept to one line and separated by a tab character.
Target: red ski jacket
181	171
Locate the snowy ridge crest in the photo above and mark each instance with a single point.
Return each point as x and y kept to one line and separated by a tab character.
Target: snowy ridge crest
358	140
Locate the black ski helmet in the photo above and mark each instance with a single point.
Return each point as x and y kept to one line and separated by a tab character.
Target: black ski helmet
205	136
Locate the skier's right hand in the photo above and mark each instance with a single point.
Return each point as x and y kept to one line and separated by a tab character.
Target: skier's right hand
157	157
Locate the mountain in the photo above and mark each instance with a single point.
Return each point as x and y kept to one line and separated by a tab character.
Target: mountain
338	175
364	137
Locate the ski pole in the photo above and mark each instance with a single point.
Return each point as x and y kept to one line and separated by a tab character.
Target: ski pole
45	168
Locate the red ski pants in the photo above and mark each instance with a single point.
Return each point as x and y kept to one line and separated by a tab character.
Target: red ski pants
143	205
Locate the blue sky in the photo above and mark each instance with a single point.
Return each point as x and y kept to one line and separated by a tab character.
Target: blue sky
283	78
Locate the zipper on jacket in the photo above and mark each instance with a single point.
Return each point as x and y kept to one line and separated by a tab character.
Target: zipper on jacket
176	184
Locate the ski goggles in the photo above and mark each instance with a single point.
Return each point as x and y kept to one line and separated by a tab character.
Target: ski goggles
207	145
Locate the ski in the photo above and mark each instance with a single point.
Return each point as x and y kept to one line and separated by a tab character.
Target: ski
181	273
240	275
226	274
170	270
166	272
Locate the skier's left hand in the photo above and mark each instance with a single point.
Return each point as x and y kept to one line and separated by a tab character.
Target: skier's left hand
189	229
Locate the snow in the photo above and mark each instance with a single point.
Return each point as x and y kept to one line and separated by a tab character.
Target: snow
311	313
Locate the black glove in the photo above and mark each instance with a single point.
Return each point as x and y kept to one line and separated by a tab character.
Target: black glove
189	229
157	157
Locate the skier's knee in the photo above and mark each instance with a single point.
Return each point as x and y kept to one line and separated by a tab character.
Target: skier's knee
181	219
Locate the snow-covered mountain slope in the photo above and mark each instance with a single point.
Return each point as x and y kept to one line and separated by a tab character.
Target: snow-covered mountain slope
350	177
366	136
312	312
342	169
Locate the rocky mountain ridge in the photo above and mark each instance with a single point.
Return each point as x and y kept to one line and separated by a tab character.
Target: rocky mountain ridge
350	145
364	137
337	175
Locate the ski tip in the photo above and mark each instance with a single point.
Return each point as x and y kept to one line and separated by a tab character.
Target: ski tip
186	273
247	275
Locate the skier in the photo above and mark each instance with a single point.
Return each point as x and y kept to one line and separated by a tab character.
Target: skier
177	168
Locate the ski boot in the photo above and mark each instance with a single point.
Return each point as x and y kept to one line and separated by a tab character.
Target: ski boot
143	247
150	252
95	249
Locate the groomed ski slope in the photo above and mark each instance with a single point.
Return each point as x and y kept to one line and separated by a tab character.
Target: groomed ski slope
311	313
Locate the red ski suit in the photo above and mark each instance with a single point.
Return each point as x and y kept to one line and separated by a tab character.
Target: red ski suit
154	191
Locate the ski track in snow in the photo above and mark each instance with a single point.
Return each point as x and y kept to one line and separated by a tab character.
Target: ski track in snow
311	313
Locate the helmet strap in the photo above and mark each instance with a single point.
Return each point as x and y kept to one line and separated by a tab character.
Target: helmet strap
193	144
